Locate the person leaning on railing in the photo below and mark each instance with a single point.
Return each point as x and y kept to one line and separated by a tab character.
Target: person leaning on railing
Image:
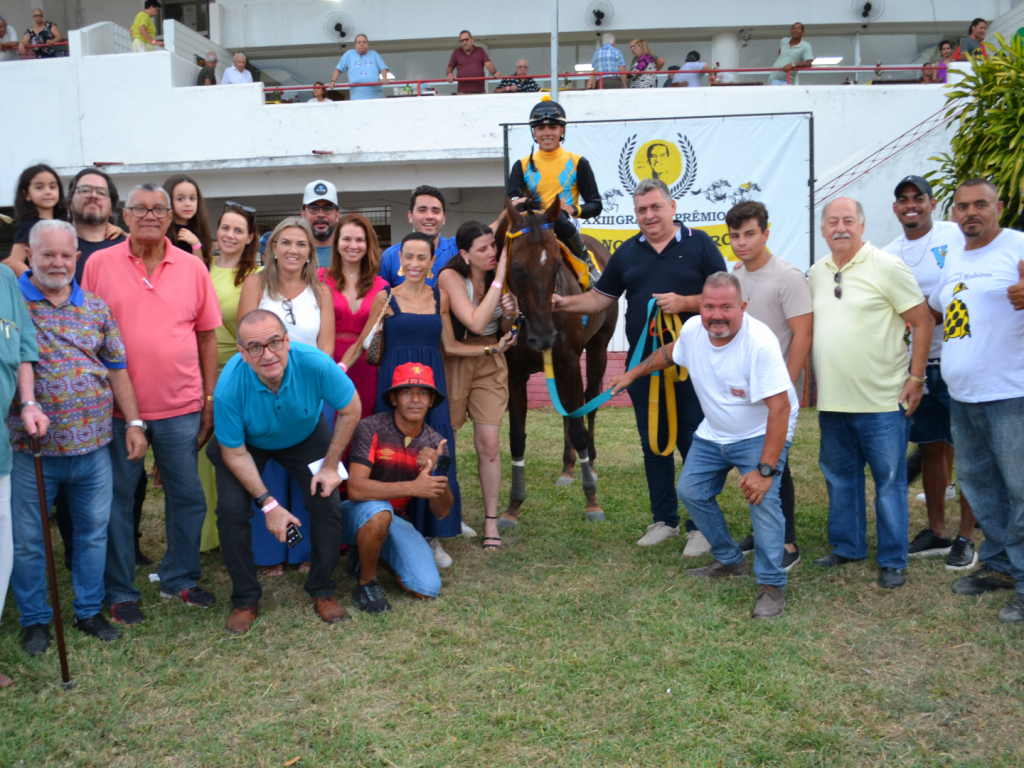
8	42
144	30
41	33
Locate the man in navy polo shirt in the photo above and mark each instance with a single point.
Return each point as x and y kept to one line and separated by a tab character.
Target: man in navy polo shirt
665	255
426	214
268	405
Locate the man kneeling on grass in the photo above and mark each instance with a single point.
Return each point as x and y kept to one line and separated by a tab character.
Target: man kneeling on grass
750	410
269	405
391	483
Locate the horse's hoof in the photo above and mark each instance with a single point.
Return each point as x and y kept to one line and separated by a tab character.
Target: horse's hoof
505	523
596	516
563	481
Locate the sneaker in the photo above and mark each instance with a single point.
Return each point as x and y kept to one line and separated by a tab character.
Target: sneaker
1013	613
718	570
98	627
962	555
35	639
981	581
657	533
927	544
370	598
790	559
696	544
747	545
468	532
193	598
891	578
127	612
832	561
441	558
771	602
950	494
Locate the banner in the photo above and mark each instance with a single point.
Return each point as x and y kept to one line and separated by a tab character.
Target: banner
709	165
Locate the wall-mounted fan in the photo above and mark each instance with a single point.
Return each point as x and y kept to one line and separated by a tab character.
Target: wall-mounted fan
599	15
339	27
867	11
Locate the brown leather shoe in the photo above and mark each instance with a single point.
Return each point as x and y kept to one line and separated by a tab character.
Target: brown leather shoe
5	681
771	602
717	570
241	619
328	609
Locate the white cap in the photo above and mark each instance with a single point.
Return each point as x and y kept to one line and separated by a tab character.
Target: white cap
320	190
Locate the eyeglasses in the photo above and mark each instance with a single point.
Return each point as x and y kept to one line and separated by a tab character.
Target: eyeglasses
316	210
839	288
256	350
85	191
246	208
140	211
289	312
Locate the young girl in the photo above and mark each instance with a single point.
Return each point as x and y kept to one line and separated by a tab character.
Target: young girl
40	195
190	227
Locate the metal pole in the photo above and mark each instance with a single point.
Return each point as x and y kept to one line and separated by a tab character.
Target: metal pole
554	50
856	56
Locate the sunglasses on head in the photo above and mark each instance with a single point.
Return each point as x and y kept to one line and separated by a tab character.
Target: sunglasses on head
246	208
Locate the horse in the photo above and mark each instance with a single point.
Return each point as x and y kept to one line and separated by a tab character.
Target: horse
536	270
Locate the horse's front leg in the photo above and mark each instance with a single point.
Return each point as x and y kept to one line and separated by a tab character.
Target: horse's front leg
568	458
570	387
517	445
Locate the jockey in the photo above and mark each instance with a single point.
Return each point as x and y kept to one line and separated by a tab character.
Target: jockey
553	171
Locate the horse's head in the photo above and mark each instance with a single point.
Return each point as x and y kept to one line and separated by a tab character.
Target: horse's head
534	259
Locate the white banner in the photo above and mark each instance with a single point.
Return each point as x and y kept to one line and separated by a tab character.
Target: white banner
709	165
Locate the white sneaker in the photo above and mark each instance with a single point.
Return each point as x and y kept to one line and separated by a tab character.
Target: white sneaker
657	533
441	558
696	544
468	532
950	494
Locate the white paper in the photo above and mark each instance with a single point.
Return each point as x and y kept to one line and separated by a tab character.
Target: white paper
154	577
315	467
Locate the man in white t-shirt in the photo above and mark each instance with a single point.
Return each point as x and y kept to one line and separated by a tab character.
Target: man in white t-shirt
924	246
750	410
8	42
980	301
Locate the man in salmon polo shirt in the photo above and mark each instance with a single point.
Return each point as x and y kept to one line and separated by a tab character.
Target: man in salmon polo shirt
167	310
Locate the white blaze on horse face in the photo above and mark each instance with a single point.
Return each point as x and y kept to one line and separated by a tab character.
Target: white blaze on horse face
543	258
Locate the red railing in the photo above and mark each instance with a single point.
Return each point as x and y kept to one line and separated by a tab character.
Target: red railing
25	54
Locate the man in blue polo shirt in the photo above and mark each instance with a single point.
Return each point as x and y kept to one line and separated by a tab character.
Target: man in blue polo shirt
363	66
426	214
670	263
268	405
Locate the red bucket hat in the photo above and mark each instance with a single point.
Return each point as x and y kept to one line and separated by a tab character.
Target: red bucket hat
413	375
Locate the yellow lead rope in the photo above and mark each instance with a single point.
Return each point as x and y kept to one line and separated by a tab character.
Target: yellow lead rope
664	323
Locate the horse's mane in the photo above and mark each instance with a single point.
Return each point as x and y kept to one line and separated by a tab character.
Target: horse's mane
531	208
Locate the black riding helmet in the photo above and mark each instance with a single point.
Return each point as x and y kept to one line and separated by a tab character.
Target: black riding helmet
547	112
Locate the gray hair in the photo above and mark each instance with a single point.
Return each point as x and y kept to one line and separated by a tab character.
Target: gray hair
522	61
43	226
211	55
860	209
649	185
723	279
147	187
240	54
608	39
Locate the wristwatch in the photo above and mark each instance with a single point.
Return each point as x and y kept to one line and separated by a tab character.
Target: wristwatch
262	499
767	470
138	423
26	403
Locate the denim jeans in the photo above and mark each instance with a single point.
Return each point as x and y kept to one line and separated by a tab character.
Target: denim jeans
6	543
174	450
989	439
848	442
88	483
404	549
702	479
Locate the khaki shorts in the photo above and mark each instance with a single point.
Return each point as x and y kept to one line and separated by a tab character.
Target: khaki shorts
477	386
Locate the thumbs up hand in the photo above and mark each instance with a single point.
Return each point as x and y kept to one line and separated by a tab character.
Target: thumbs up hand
1016	291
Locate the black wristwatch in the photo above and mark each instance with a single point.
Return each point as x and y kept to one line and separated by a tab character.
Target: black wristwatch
767	470
261	500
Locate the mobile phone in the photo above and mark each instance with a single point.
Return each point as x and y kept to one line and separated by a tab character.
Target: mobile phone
444	463
293	536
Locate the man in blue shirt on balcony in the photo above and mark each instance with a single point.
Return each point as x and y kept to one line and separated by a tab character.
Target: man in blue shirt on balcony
363	66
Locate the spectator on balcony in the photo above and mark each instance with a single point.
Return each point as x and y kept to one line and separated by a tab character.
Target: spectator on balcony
794	53
208	74
144	30
237	74
691	74
470	61
41	33
928	75
8	42
946	58
363	66
320	210
971	45
521	83
644	61
318	92
608	58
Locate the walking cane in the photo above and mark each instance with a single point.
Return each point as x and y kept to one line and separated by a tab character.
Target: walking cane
51	572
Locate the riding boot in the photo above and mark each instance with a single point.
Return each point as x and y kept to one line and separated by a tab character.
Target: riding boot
579	250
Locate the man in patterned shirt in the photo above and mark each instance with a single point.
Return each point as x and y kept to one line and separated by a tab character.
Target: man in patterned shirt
80	373
606	59
520	83
390	470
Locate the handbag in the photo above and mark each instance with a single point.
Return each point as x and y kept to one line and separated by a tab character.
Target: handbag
374	345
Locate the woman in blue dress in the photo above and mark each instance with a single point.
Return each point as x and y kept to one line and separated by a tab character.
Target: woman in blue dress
416	327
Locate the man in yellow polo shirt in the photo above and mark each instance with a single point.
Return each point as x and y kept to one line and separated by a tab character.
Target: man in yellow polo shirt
863	299
144	30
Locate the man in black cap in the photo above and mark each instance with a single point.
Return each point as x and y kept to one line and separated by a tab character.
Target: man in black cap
692	72
924	246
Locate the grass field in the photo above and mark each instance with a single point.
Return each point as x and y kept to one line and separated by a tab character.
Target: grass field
572	647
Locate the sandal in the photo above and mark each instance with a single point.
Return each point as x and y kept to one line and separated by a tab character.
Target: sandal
272	571
488	542
304	566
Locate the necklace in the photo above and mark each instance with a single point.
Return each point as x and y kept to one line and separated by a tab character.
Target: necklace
756	280
920	258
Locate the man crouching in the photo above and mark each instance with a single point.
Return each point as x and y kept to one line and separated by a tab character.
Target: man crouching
390	469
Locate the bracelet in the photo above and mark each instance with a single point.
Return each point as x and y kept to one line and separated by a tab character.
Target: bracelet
343	367
197	246
507	317
271	506
25	404
918	379
488	351
209	398
497	284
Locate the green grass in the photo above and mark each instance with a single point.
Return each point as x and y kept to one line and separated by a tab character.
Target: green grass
572	647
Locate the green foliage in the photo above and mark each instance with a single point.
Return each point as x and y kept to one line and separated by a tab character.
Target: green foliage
988	106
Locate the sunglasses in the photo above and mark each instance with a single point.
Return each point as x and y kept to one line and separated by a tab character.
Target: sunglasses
839	287
246	208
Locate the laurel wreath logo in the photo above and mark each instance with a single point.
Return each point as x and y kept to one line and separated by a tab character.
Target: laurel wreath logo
681	187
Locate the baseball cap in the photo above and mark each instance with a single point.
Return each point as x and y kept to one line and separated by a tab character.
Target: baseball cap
320	190
918	182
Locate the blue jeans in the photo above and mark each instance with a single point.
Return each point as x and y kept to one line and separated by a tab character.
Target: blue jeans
404	549
848	442
989	439
88	485
174	449
702	479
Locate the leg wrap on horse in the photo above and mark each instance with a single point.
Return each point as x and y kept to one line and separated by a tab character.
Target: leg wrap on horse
518	490
589	478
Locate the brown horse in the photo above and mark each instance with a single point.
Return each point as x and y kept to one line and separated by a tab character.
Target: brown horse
536	270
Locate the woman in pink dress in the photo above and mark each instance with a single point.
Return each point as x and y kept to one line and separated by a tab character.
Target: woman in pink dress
353	280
